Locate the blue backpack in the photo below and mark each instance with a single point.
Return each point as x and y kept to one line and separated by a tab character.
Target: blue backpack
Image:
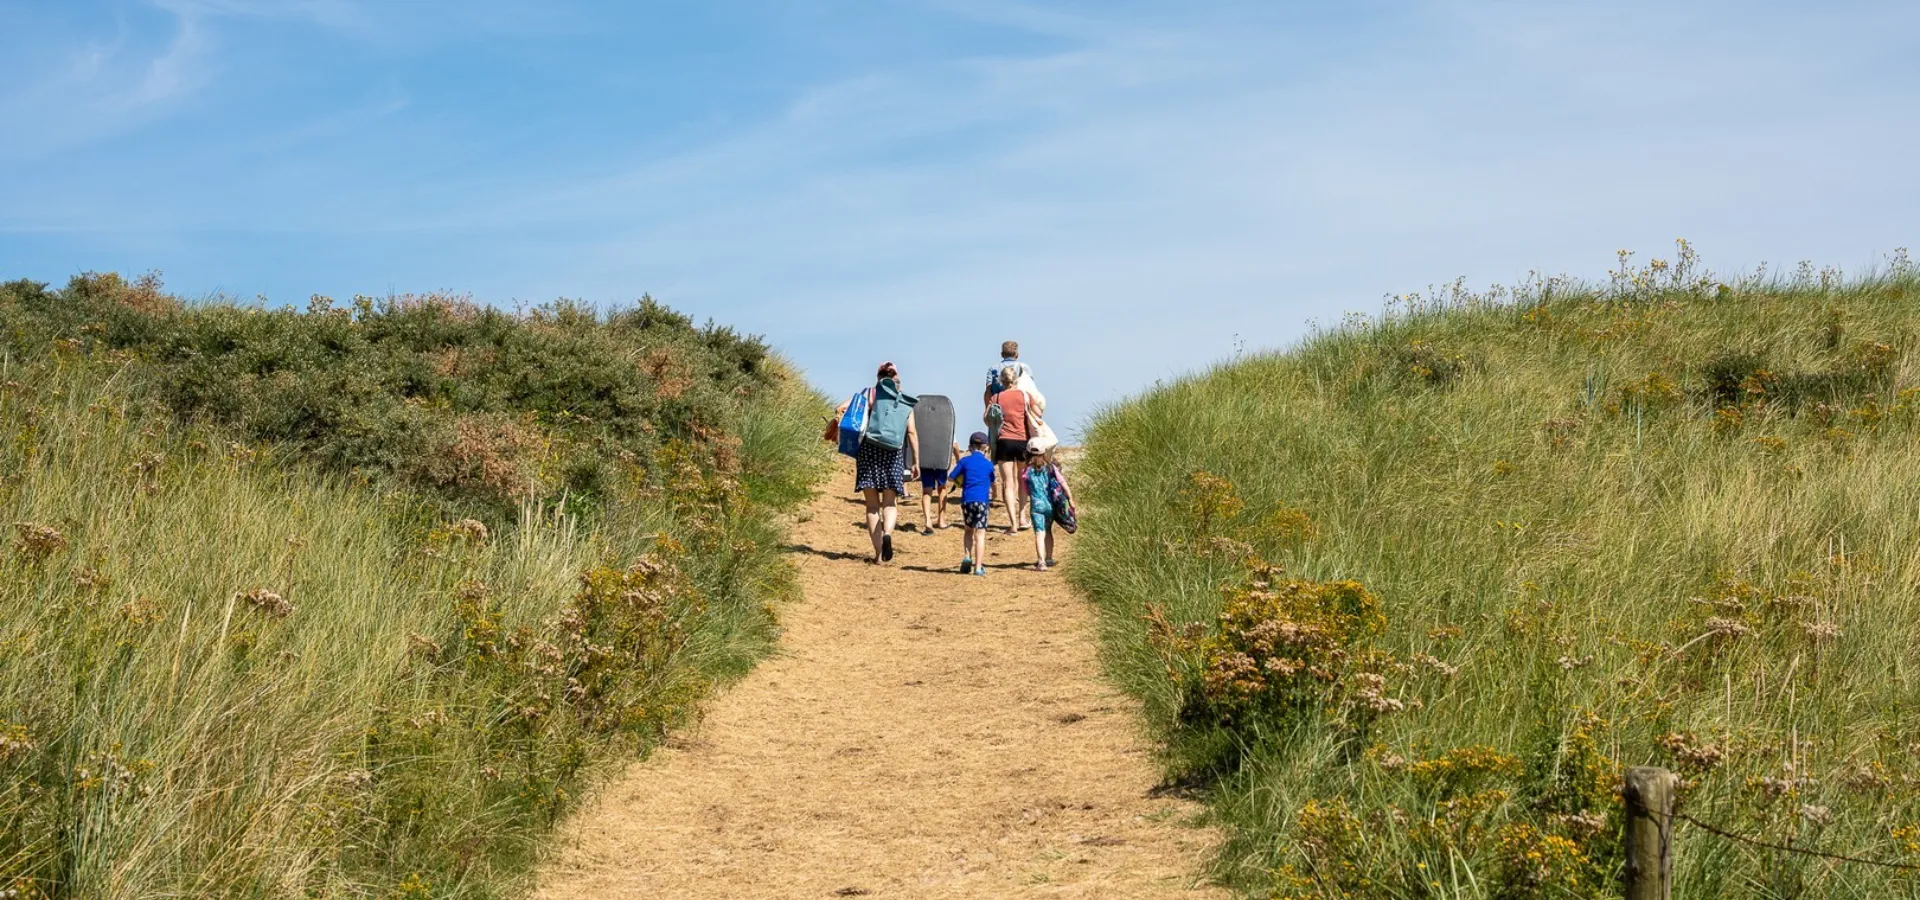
888	413
853	423
1062	499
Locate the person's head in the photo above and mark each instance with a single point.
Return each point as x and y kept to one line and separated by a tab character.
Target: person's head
887	370
1009	375
977	441
1009	349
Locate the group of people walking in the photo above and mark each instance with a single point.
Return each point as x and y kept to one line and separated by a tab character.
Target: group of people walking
1010	460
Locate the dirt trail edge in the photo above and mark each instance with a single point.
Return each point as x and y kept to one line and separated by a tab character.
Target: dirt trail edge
921	734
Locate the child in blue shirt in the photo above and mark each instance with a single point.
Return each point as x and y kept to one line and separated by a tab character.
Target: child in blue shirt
974	472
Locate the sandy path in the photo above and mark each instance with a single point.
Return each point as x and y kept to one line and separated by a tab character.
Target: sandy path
922	734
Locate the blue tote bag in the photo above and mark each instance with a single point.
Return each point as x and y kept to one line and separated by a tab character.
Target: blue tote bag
853	423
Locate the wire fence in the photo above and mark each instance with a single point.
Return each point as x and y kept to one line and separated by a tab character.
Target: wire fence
1650	798
1788	848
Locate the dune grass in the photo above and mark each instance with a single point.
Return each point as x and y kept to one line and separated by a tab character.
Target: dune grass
229	667
1405	600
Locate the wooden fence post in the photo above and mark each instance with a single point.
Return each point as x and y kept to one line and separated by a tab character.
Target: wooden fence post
1649	836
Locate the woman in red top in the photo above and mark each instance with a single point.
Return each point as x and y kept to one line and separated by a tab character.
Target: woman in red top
1010	446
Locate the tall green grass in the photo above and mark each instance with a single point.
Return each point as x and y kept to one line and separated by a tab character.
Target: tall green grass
1673	519
230	667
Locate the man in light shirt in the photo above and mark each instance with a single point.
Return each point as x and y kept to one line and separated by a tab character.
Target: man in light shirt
1009	356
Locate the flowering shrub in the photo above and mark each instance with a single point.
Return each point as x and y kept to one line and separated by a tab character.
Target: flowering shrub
1653	391
1740	383
1286	526
1217	523
1421	362
620	636
1282	647
1212	503
1462	769
1536	864
1574	782
36	542
1333	840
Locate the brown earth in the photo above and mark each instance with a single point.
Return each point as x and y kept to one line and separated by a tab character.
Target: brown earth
922	734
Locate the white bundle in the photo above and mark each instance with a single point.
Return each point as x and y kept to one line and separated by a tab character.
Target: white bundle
1036	399
1041	438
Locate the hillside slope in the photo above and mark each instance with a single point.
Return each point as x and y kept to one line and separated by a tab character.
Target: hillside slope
356	604
1406	599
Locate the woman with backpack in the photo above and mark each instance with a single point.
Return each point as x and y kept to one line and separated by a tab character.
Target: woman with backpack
887	439
1011	412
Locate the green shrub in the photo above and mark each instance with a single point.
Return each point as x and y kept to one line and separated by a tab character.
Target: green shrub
478	407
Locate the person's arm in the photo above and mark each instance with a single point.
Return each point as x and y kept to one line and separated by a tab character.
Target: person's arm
913	442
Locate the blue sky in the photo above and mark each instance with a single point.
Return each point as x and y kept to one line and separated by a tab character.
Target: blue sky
1125	187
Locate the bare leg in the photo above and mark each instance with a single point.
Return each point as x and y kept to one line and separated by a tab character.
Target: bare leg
1009	495
1042	537
980	547
872	497
889	511
926	506
1049	545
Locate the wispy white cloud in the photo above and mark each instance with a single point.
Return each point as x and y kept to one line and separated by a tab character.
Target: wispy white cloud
390	22
140	68
344	14
1142	197
107	86
1099	25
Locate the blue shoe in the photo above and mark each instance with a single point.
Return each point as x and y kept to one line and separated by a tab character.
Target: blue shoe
966	565
980	571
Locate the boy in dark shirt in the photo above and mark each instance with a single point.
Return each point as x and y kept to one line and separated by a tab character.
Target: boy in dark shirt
974	472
